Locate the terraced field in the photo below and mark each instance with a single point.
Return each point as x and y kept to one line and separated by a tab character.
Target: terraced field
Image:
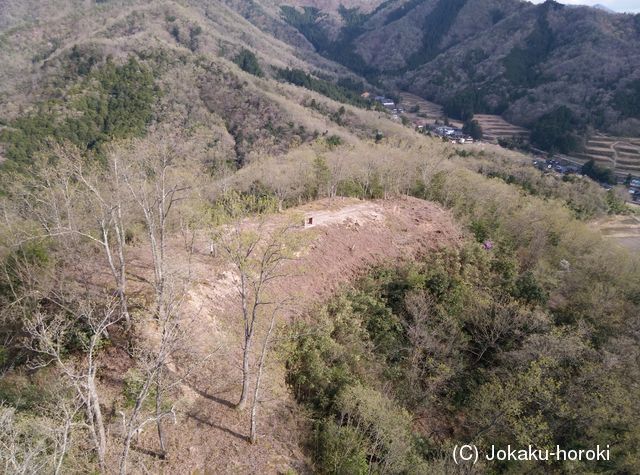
431	110
624	230
621	154
495	127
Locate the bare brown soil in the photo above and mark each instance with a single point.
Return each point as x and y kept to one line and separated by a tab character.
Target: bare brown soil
349	236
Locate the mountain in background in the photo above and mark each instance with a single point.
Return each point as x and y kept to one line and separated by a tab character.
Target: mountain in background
604	8
563	72
62	68
578	65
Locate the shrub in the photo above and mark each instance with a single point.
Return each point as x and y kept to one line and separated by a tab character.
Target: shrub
133	383
175	32
21	393
351	188
194	37
481	230
386	426
615	203
598	173
321	365
334	141
472	128
556	131
326	88
340	450
384	328
32	256
248	62
529	290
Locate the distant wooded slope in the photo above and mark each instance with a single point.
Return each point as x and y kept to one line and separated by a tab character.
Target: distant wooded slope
492	56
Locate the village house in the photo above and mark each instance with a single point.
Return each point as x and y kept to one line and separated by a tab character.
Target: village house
445	130
420	124
385	101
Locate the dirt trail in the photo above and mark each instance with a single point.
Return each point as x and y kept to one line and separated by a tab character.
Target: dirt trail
359	213
348	237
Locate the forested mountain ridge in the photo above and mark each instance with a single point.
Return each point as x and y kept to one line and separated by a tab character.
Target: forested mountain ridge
59	74
494	56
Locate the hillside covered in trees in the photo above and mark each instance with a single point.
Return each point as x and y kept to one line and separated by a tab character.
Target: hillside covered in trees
217	256
503	57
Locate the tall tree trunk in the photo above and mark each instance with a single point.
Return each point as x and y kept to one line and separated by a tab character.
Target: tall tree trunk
124	308
131	428
92	431
121	239
119	271
124	458
163	450
245	374
96	416
253	436
63	449
248	339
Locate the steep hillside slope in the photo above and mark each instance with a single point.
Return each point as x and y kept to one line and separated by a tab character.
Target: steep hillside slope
356	235
534	61
182	55
37	37
494	56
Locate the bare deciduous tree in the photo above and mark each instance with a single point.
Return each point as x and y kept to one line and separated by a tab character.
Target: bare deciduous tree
21	450
156	186
107	189
257	256
48	336
156	189
152	362
36	444
253	431
79	199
